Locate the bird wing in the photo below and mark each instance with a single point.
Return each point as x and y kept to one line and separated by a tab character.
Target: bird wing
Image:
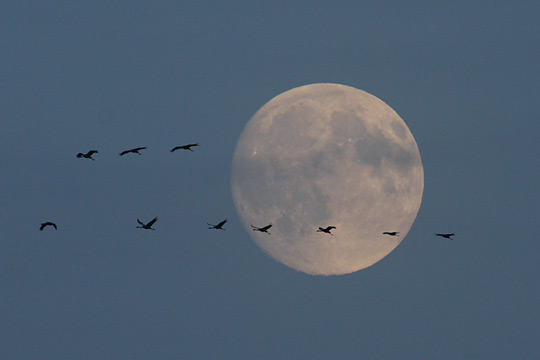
190	145
140	222
151	222
175	148
54	225
330	228
42	227
124	152
139	148
266	227
222	223
91	152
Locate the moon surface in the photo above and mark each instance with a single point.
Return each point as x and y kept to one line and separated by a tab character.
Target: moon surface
327	155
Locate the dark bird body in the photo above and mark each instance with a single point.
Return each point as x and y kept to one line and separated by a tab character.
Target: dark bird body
326	229
446	236
263	229
48	223
88	155
134	151
184	147
218	226
147	226
391	233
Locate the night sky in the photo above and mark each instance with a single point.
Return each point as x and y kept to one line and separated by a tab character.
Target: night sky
110	76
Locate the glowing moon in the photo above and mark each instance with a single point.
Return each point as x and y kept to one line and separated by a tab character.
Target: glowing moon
321	155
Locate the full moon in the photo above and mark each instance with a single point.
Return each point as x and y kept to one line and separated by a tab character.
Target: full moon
324	155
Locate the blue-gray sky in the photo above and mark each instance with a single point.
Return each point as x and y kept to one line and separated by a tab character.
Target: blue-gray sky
76	76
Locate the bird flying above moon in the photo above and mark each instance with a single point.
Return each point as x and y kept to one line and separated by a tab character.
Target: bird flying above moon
391	233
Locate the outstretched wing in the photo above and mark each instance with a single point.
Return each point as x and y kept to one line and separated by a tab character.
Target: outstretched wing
266	227
152	222
139	148
330	228
54	226
124	152
91	152
140	222
175	148
42	226
221	223
191	145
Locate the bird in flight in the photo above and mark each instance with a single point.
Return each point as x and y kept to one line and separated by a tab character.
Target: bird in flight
263	229
147	226
88	155
446	236
184	147
218	226
391	233
135	151
48	223
326	229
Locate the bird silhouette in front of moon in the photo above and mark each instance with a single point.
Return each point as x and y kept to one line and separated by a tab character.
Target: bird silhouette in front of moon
326	229
263	229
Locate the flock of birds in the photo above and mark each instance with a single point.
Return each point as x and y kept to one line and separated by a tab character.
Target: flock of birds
218	226
90	153
264	229
136	150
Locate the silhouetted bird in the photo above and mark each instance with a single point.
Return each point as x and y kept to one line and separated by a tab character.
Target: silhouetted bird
184	147
218	226
326	229
48	223
446	236
147	226
88	155
263	229
391	233
135	151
